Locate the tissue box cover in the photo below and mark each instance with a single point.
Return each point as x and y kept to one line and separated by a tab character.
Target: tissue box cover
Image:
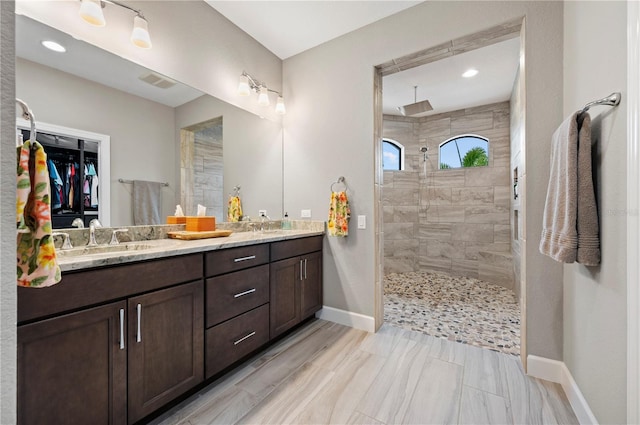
172	219
200	224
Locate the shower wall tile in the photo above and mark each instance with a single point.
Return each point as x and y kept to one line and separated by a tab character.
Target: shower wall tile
502	233
395	231
399	265
435	231
472	123
447	178
399	197
387	178
454	215
435	196
472	233
405	180
445	214
495	214
481	195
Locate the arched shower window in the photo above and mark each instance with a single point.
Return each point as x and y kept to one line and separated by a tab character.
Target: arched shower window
392	155
467	150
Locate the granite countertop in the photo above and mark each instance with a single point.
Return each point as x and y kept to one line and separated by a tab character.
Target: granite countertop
141	250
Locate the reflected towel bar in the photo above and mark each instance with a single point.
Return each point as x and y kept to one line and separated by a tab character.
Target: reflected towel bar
131	182
612	100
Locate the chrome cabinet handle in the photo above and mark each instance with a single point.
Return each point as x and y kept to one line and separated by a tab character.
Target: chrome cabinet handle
139	311
305	269
250	257
301	270
243	338
241	294
122	328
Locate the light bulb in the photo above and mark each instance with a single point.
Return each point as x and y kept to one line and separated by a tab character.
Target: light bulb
470	73
52	45
280	109
91	12
140	34
263	97
243	86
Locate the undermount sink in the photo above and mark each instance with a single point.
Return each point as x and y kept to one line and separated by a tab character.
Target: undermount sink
104	249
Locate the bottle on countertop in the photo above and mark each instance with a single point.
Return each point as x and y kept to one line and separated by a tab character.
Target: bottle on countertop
286	224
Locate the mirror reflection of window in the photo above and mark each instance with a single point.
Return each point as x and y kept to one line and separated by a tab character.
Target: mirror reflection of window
392	155
466	150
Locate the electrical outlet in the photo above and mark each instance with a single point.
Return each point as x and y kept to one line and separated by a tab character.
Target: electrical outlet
305	213
262	212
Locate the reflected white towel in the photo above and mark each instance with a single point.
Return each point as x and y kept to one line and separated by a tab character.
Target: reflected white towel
147	202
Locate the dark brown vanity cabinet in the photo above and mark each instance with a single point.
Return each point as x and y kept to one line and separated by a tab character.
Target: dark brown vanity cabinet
116	362
71	369
295	282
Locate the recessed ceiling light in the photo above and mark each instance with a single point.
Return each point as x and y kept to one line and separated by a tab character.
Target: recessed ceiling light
52	45
470	73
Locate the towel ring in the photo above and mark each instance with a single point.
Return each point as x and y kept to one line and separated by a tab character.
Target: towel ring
339	181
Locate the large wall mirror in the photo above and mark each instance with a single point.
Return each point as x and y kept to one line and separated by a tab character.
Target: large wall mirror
160	130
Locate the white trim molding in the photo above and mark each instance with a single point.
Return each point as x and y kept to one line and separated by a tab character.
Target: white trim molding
347	318
633	211
556	371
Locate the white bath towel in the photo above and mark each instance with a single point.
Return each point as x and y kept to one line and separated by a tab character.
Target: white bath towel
570	222
147	202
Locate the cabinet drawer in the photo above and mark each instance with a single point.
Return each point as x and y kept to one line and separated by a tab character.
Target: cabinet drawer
229	260
234	339
235	293
295	247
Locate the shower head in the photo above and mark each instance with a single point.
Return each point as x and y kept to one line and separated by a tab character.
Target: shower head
424	149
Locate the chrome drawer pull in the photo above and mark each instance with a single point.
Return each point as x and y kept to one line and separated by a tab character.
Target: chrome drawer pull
243	338
305	269
237	260
139	334
122	328
301	270
244	293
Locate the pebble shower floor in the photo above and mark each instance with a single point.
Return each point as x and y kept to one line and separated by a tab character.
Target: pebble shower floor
461	309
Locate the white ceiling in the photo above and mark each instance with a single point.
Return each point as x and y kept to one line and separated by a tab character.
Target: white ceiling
287	28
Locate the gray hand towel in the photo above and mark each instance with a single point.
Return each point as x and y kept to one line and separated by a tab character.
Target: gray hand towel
146	202
570	223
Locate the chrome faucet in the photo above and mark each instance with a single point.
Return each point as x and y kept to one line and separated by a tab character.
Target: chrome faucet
93	225
114	236
77	222
265	218
66	244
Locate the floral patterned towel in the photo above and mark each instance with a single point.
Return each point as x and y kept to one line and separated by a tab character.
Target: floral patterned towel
234	213
37	265
339	214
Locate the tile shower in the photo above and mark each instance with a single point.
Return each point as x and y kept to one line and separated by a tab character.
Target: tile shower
453	225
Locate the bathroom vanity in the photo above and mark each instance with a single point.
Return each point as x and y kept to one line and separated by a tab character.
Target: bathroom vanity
124	334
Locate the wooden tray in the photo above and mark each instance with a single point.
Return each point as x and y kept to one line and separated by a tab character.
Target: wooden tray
186	235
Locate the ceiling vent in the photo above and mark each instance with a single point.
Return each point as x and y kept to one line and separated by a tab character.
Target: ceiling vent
157	80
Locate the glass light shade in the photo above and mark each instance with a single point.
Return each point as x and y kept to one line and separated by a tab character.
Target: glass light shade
280	109
140	34
91	12
243	86
263	97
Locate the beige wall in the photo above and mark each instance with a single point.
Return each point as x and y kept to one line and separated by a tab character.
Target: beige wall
329	133
595	297
142	131
8	289
445	220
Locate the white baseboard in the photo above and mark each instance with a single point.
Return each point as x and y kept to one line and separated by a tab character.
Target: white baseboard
558	372
347	318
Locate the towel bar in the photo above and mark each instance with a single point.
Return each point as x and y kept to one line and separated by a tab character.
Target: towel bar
131	182
612	100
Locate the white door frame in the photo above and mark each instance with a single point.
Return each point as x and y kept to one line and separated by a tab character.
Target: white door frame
633	211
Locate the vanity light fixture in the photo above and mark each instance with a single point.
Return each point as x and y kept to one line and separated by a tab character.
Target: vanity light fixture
91	12
247	84
471	72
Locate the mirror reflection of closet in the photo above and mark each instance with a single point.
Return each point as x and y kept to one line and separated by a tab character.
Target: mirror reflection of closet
78	163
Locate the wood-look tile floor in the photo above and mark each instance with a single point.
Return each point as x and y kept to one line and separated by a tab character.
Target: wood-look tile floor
325	373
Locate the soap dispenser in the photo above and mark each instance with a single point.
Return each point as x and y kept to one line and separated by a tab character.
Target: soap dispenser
286	224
